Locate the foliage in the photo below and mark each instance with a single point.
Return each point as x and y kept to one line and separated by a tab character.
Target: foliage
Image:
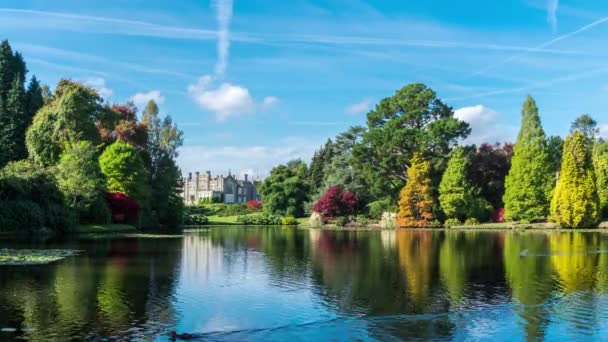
81	181
342	221
289	221
123	208
315	220
226	209
388	220
124	169
260	219
452	222
600	164
166	187
376	209
586	125
285	191
195	216
529	182
70	116
555	148
487	170
498	215
31	200
17	105
455	190
416	202
254	205
412	120
319	165
336	203
471	221
575	201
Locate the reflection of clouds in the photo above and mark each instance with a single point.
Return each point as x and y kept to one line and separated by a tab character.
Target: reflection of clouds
388	238
200	259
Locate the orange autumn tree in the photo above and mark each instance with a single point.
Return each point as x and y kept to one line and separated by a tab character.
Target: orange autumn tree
415	200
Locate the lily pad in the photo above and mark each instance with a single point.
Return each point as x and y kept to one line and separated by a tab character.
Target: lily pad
21	257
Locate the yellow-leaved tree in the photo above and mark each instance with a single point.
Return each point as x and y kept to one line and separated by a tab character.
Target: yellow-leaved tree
415	199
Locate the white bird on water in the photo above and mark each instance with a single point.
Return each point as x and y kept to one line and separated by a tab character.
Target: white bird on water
523	253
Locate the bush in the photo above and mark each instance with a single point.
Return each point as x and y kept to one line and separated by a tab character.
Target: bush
498	215
342	221
260	220
376	209
289	221
389	220
21	216
449	223
336	203
195	220
471	222
315	220
226	209
123	208
254	205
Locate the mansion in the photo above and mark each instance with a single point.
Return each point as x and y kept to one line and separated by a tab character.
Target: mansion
219	188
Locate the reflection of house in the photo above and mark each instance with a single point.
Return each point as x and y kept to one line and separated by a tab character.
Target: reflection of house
223	189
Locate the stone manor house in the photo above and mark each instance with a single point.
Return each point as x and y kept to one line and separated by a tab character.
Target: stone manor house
222	189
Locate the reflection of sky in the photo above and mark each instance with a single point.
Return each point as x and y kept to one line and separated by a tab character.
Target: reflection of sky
222	290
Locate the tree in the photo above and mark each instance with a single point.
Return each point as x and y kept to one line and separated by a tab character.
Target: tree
456	194
488	168
600	165
529	182
15	110
124	170
284	192
71	115
319	167
555	148
575	201
412	120
586	125
336	202
80	180
416	201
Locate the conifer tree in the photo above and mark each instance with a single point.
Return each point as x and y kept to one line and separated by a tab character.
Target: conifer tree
530	180
600	165
415	200
575	201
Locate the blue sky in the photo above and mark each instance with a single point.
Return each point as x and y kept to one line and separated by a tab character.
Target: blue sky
256	83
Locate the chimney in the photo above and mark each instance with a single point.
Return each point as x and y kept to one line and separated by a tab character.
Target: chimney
190	176
246	177
209	173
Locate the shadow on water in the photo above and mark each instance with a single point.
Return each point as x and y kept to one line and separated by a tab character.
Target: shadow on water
238	283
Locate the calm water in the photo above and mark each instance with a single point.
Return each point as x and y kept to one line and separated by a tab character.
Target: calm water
273	284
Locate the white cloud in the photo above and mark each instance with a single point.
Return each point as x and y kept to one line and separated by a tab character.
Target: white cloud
141	99
484	125
603	131
360	107
227	99
223	15
256	161
552	6
98	84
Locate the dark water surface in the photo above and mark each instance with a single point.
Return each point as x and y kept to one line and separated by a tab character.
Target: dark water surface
274	284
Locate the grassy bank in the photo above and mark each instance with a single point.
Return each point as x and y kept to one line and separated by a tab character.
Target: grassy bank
105	228
23	257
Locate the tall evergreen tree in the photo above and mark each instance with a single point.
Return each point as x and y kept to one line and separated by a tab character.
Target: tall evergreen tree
415	199
318	167
575	201
529	182
600	164
34	98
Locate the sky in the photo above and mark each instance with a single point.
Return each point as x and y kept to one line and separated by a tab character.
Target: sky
256	83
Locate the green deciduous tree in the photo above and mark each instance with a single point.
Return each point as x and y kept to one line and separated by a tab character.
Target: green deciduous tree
284	192
586	125
600	164
575	200
412	120
81	181
124	169
530	180
71	115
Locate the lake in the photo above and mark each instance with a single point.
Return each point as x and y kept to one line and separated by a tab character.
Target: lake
285	284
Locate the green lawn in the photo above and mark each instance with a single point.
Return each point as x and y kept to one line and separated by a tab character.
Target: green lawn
222	220
106	228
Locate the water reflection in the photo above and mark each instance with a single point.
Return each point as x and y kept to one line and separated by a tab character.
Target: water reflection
238	283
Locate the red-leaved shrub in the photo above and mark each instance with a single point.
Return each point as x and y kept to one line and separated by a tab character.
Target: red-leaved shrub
123	208
254	205
336	202
498	215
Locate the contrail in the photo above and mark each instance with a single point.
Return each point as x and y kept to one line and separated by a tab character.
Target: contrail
552	6
542	46
223	15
